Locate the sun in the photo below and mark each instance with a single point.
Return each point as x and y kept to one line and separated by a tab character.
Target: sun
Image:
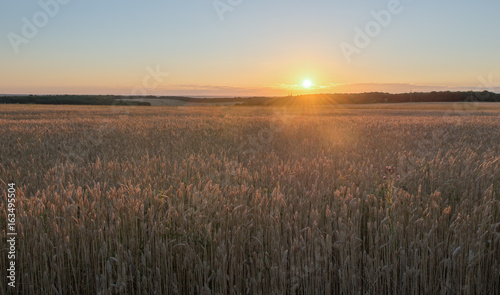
307	83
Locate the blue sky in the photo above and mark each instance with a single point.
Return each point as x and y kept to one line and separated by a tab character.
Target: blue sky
259	47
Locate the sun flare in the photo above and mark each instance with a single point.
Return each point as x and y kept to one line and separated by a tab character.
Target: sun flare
307	83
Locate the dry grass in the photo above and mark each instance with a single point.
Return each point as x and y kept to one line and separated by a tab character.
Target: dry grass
236	200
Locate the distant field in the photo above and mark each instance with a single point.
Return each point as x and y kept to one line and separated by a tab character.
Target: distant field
416	105
351	199
378	99
176	102
446	106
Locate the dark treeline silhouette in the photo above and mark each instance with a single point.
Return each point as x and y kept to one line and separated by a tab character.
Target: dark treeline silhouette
310	99
71	100
376	97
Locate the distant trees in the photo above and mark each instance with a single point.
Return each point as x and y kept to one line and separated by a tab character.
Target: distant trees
71	100
310	99
377	97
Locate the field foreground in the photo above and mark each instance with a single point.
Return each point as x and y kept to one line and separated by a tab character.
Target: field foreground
241	200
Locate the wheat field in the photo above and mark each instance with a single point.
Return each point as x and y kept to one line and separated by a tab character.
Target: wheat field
241	200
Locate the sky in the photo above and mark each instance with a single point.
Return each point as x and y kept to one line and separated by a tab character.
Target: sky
247	48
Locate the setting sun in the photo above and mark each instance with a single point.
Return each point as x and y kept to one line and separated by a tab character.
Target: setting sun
307	83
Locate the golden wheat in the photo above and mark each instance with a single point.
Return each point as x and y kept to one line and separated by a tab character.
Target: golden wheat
232	200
